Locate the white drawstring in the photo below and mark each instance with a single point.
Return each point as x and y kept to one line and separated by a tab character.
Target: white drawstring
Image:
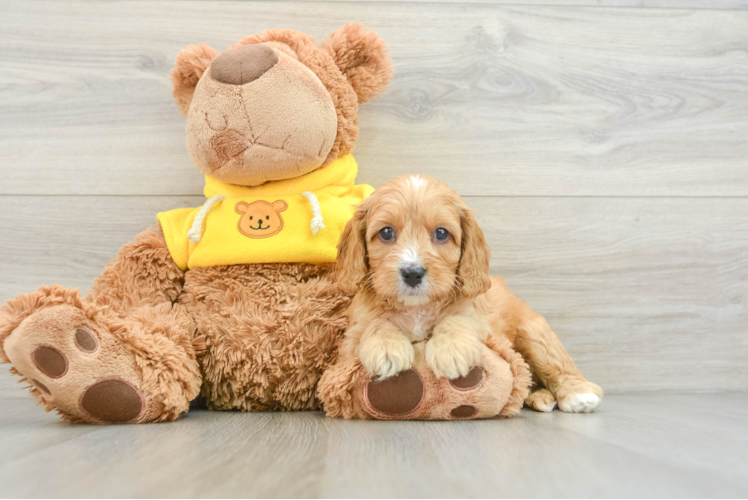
317	221
196	232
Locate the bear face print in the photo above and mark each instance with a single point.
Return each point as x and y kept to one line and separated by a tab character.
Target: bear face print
260	219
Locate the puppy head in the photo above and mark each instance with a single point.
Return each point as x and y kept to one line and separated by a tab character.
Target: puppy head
414	241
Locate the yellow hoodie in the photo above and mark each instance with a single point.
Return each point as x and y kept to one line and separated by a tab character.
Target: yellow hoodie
294	220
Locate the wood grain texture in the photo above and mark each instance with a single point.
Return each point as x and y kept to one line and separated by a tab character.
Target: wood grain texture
646	294
495	100
651	4
634	446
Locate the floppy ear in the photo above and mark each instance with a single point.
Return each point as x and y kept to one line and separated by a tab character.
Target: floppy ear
190	65
362	57
475	258
353	263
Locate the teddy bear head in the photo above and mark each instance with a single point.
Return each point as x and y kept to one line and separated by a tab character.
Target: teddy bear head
277	105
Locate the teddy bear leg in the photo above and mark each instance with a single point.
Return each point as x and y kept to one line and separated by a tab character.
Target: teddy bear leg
124	354
495	387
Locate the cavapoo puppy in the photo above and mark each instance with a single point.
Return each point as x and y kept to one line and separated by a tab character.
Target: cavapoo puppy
418	263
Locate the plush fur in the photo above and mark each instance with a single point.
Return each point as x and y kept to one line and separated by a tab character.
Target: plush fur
456	309
254	337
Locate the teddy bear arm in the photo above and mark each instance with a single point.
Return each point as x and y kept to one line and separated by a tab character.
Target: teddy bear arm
142	274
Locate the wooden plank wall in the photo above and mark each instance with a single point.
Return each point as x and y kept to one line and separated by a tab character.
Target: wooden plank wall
602	142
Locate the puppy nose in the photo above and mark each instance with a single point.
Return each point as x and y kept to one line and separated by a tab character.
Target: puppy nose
413	275
243	64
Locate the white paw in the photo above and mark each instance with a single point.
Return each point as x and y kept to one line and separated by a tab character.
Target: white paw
385	357
579	403
451	356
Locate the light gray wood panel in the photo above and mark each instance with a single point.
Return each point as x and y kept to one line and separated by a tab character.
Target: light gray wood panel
653	4
646	294
508	100
634	446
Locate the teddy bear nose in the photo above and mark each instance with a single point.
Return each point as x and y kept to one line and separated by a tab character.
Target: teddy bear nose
243	64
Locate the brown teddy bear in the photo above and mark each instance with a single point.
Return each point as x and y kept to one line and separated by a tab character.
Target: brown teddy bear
216	301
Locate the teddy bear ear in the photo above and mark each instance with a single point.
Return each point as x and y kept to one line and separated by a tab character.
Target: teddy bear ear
362	57
190	65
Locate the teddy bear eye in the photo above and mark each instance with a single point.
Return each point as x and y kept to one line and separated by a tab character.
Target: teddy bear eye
251	217
267	217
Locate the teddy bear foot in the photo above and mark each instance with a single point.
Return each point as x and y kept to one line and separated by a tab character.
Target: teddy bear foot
76	365
494	388
74	370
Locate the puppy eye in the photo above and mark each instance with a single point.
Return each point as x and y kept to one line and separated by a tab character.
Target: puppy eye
441	234
386	234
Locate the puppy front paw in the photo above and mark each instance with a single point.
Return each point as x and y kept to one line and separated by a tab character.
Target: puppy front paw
452	356
385	357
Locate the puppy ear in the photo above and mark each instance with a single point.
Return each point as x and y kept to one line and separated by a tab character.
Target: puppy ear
190	65
352	263
475	259
362	57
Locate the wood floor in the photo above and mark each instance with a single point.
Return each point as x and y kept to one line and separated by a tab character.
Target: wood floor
634	446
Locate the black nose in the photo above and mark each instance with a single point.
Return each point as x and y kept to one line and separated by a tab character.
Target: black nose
413	275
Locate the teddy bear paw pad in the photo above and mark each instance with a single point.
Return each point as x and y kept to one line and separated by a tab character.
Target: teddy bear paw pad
41	386
464	411
396	396
112	401
50	361
473	379
85	340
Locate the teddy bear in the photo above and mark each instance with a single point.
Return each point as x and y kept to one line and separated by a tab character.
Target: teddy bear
236	300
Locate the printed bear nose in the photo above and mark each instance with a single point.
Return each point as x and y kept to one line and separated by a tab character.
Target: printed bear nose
243	64
413	275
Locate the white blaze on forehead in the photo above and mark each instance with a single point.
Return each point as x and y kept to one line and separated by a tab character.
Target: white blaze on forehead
409	258
416	182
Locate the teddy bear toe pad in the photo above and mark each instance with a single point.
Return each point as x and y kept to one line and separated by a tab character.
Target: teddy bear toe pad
473	379
396	396
50	361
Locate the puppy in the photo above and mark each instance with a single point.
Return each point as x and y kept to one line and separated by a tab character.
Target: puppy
419	266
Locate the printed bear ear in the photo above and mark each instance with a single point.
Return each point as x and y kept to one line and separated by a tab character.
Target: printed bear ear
280	205
191	63
362	57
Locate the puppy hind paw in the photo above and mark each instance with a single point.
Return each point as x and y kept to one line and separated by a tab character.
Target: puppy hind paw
580	396
579	403
541	400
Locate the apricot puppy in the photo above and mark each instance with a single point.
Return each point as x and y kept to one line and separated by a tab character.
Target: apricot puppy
419	265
